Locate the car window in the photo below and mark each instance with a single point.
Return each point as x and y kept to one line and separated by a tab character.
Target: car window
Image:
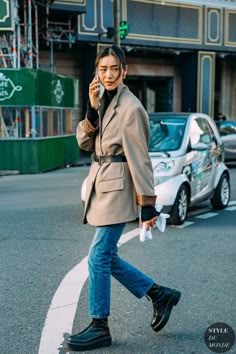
228	128
166	134
199	131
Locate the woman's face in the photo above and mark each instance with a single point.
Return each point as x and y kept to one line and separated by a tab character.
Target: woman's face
110	72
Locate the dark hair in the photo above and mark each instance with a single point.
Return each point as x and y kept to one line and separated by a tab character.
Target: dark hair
117	52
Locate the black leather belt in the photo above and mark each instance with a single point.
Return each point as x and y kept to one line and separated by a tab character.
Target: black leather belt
108	158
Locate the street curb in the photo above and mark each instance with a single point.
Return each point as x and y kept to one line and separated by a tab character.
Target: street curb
9	173
82	162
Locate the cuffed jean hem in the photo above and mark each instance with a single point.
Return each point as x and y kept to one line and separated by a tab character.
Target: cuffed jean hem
98	317
145	293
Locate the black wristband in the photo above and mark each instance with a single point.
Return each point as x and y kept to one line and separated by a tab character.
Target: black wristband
92	114
148	212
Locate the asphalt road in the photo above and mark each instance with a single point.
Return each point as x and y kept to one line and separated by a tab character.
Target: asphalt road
42	240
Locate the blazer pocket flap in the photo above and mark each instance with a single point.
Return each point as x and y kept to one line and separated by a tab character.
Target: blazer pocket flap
111	185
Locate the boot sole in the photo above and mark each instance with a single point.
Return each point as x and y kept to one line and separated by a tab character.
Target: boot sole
102	342
173	301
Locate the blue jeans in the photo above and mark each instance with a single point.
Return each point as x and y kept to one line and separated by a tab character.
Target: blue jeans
103	261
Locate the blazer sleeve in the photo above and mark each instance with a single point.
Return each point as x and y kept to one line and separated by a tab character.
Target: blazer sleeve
85	135
135	141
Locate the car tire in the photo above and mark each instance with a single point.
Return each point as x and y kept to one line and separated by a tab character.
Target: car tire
180	208
221	196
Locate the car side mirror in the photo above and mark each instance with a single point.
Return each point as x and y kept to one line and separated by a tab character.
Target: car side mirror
199	146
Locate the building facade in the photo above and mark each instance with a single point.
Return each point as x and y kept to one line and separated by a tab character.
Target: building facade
181	54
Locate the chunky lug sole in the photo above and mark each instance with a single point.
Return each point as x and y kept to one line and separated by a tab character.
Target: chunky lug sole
98	343
173	301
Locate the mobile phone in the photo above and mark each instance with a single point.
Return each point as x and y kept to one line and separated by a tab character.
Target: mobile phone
101	87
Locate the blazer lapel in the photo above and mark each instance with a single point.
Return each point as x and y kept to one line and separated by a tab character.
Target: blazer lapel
111	109
108	114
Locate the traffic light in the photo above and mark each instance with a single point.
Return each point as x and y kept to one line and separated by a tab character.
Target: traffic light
124	29
110	32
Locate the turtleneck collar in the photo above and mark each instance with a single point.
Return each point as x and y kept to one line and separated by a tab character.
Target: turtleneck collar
106	100
111	93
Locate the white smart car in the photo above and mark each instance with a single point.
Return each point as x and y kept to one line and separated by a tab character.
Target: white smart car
188	162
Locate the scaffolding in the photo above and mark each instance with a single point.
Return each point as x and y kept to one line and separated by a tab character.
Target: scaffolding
19	49
19	45
60	30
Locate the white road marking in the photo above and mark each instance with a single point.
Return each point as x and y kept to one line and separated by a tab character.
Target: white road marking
128	236
196	212
185	224
231	208
63	307
207	209
207	215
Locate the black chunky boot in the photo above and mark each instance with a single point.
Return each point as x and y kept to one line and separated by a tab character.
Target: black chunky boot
163	300
96	335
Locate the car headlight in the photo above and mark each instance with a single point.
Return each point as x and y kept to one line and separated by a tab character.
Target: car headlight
164	166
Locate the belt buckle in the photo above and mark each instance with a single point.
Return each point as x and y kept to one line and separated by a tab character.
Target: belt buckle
99	160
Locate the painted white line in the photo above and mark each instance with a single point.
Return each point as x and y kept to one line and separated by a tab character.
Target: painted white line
231	208
128	236
63	307
207	215
185	224
206	209
196	212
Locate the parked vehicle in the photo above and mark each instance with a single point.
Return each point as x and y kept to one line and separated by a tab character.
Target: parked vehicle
187	157
227	130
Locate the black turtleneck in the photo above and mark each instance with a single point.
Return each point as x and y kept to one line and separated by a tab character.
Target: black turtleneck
92	113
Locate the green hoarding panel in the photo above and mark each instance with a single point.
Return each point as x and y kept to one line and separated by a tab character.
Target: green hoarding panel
17	87
50	153
54	90
38	155
30	87
18	155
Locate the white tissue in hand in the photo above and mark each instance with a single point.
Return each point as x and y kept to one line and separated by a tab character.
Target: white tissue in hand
145	234
161	221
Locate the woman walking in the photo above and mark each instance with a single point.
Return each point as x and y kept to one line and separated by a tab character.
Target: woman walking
120	182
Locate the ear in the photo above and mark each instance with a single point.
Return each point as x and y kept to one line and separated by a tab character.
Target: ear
124	72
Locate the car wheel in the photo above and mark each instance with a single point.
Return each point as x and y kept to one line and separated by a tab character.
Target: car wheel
180	208
221	196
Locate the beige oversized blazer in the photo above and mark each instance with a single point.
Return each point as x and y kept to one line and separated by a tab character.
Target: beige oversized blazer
114	190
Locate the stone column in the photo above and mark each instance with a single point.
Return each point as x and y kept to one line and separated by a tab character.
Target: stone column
206	83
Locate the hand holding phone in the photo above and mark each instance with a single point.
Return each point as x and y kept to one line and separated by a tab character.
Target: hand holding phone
95	92
101	87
